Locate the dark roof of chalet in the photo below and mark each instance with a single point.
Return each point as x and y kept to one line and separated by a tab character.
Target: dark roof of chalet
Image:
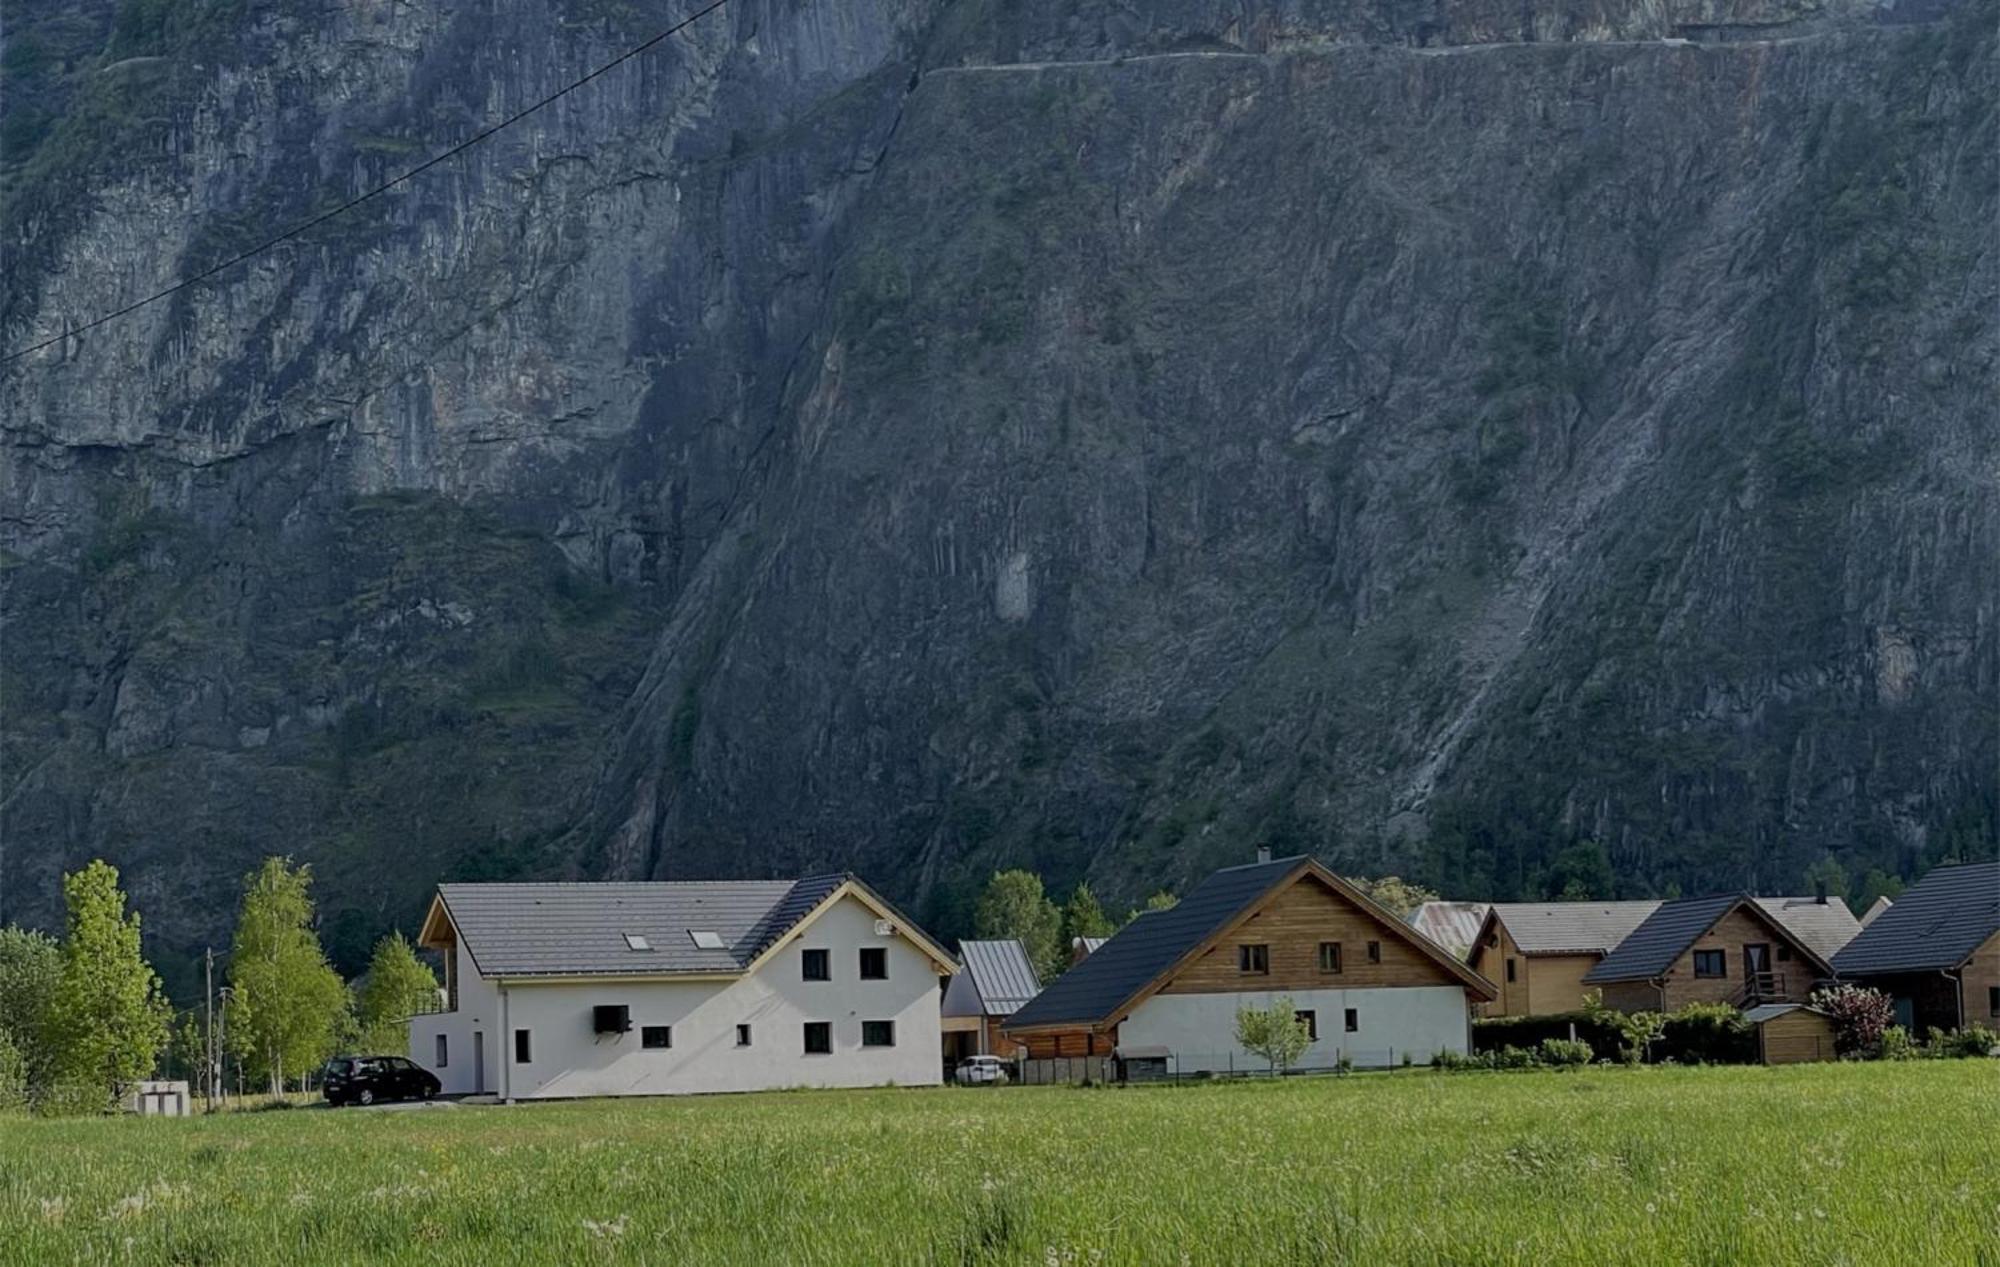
1663	937
1149	945
580	929
1572	928
1934	924
1001	974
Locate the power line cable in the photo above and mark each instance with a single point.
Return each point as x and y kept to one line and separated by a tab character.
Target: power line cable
383	188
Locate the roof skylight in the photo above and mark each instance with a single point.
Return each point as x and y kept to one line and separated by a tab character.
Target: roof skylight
705	939
634	941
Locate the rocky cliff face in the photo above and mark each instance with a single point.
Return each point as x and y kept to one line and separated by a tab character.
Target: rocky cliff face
1491	441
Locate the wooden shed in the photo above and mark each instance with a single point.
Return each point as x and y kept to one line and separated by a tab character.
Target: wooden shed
1790	1033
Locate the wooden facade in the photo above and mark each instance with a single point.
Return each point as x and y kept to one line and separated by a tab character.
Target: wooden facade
1789	978
1799	1035
1292	926
1979	985
1530	985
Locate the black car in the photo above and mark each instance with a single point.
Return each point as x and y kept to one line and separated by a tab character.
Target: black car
368	1079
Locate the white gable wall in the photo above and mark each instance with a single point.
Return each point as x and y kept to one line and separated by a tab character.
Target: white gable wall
1200	1029
568	1059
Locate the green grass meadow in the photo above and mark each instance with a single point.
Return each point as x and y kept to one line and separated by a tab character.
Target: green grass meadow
1828	1164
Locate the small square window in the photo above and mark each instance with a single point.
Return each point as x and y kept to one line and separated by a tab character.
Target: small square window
656	1037
1710	963
1329	956
874	963
443	1053
1311	1020
816	965
742	1035
1784	952
1353	1021
1254	959
878	1033
1510	969
1374	952
819	1038
523	1047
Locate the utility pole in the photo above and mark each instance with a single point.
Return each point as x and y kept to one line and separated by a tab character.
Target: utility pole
208	1043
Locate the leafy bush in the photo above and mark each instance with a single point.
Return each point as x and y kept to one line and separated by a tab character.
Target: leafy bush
1898	1045
13	1076
1971	1042
1564	1053
1607	1033
1859	1016
1707	1034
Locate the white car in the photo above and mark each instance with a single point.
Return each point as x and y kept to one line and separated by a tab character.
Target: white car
981	1071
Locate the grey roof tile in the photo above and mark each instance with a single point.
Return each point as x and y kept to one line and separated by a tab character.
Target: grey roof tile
1661	938
1146	947
1572	928
1934	924
1824	927
578	929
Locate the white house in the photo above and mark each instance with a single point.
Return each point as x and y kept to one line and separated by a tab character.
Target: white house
660	988
1162	994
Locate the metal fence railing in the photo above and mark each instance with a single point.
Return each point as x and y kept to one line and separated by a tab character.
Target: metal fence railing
1176	1066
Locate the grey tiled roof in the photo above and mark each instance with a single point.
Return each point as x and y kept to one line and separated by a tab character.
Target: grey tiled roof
579	929
1935	924
1147	946
1572	928
1001	973
1661	938
1824	927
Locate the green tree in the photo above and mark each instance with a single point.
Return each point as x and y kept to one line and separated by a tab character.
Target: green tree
1828	871
398	986
286	1005
1083	917
30	970
1014	905
106	1020
1580	872
1276	1033
1161	901
1397	894
1876	884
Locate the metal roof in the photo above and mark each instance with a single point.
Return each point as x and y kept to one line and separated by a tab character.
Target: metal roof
1935	924
1001	973
1453	925
1147	946
580	929
1572	928
1772	1011
1662	938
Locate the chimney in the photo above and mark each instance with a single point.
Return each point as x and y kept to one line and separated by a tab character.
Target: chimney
1263	853
1819	892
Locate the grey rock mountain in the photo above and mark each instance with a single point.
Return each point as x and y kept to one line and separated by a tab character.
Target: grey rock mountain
1514	445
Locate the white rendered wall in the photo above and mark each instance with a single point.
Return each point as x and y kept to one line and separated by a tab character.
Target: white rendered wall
478	1012
568	1059
1200	1029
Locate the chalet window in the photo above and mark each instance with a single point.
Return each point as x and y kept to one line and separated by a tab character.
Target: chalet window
1784	952
817	965
874	963
523	1047
1352	1021
1510	969
1255	959
742	1035
878	1033
1710	963
656	1037
1993	999
819	1038
1329	956
443	1054
1374	952
1311	1019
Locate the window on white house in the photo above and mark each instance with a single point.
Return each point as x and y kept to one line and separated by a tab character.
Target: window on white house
874	963
1374	952
523	1047
1311	1019
816	965
656	1037
819	1038
1329	956
878	1033
742	1035
1254	959
443	1055
1352	1021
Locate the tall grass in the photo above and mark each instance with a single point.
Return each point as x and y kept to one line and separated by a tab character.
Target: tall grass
1863	1164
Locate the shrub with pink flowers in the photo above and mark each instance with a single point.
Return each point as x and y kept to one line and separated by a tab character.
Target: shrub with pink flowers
1859	1016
